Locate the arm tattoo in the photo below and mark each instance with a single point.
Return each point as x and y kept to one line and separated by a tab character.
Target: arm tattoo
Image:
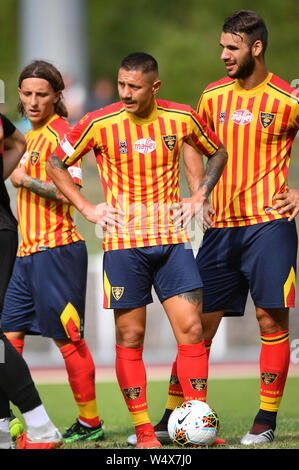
43	188
193	296
55	162
214	169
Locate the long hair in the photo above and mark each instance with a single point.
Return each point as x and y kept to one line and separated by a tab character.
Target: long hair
47	71
250	23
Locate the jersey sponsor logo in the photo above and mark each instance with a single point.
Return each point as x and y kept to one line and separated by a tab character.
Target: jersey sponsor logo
266	119
268	377
34	157
145	146
170	141
117	292
132	393
242	117
222	117
123	146
67	147
198	384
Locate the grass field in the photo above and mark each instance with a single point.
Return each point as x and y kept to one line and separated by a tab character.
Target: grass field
235	400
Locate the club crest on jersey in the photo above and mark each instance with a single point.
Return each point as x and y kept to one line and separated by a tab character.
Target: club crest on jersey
117	292
242	117
145	146
33	158
123	146
266	119
222	117
170	141
268	378
132	393
174	380
198	384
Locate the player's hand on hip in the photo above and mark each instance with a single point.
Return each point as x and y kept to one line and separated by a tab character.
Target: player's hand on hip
107	216
184	210
287	202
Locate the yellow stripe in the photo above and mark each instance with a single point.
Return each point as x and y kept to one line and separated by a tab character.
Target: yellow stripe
70	312
290	282
270	404
107	289
275	340
87	409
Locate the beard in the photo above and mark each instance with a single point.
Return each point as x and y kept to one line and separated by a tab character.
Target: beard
245	68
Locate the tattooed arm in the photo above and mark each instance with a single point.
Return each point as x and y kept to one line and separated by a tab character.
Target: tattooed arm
201	181
102	214
46	189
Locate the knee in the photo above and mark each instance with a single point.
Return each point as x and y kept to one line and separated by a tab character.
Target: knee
130	336
272	320
193	332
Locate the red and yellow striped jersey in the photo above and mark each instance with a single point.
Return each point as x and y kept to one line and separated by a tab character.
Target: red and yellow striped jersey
44	223
257	127
139	164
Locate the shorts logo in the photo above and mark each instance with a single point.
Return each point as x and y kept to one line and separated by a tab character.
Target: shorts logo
266	119
268	378
174	380
198	384
123	146
170	141
222	117
242	117
117	292
132	393
33	158
145	146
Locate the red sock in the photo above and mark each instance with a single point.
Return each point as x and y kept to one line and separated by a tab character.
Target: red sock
274	366
81	373
131	376
192	366
18	344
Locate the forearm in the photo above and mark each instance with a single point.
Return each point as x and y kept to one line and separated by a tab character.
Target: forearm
14	148
194	168
59	174
213	172
44	189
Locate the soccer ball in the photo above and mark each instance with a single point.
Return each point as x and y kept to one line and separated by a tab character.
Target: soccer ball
193	423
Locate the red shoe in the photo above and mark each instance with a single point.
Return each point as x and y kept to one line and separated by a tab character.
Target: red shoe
146	439
23	442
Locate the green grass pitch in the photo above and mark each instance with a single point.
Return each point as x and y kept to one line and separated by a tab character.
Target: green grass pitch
235	400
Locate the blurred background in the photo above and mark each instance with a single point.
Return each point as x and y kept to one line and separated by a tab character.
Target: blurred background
86	40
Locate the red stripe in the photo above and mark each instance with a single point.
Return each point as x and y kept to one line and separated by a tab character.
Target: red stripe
258	136
223	179
100	158
131	188
143	184
242	198
269	192
155	210
234	157
115	132
279	151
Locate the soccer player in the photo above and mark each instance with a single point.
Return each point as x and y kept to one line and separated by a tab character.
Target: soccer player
16	383
137	143
46	293
251	241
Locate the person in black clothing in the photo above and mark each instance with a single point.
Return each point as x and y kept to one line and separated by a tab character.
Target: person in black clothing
16	384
